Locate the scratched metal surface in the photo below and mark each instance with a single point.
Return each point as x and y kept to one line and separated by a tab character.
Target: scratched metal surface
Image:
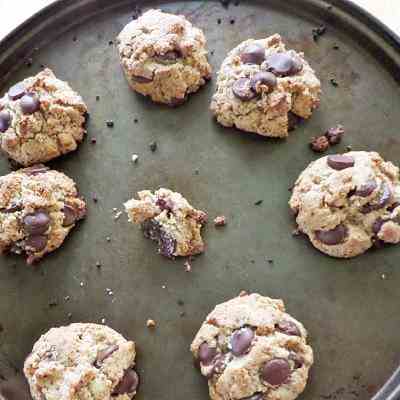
350	311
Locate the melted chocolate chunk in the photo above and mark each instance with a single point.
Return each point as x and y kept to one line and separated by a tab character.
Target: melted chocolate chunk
340	162
242	89
206	353
36	223
288	328
283	64
154	231
253	54
241	341
105	353
128	383
5	120
276	371
332	237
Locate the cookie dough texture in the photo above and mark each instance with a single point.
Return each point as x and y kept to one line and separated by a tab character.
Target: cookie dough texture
38	208
82	361
347	203
168	218
266	110
164	56
250	348
46	119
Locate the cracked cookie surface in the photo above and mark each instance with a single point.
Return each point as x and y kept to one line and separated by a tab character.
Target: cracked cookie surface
261	87
346	203
38	208
164	56
82	361
41	118
249	348
169	219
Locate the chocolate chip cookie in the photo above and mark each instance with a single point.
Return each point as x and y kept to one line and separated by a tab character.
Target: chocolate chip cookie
346	203
164	56
169	219
249	348
82	361
38	208
261	86
41	118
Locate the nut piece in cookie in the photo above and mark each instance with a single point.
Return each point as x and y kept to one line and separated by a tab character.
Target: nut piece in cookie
250	348
164	56
41	118
261	85
82	361
38	208
346	203
167	218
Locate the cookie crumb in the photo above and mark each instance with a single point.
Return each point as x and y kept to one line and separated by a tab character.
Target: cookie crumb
258	202
319	144
151	323
334	82
318	32
93	140
108	239
103	320
153	146
69	315
135	120
110	123
220	220
53	303
135	158
187	265
117	215
98	264
335	134
67	298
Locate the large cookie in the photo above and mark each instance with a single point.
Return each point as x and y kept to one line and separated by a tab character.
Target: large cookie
249	348
164	56
82	361
346	203
41	118
168	218
38	208
262	87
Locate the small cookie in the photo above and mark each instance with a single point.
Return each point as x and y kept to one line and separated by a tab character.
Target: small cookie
82	361
169	219
41	118
345	203
261	85
38	208
249	348
164	56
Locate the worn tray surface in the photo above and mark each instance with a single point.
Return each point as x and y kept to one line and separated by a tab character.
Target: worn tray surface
350	311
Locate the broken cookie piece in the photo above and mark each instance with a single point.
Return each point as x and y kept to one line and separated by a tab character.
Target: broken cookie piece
38	208
167	218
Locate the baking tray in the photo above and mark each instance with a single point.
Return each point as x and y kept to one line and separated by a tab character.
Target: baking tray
350	307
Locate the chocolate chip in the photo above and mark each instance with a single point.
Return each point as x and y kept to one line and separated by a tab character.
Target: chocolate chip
288	328
206	353
36	169
253	54
154	231
36	242
69	215
339	161
105	353
334	134
36	223
262	79
276	371
241	341
255	396
168	57
319	144
242	89
128	383
366	189
16	92
5	120
29	103
332	237
384	198
142	79
283	64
